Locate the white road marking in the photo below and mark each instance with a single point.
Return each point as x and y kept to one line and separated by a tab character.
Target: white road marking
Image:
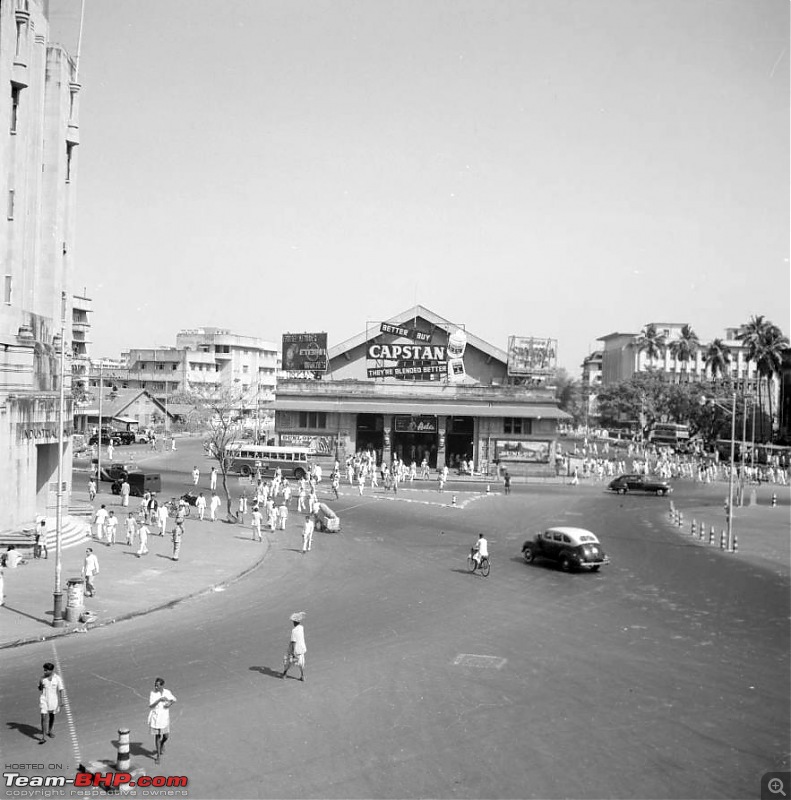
75	744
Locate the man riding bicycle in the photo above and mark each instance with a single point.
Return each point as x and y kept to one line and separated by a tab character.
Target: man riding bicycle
480	550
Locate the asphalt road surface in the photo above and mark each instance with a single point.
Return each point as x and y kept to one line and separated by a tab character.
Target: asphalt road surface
665	675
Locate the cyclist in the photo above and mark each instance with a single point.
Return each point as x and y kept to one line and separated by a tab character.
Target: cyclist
480	550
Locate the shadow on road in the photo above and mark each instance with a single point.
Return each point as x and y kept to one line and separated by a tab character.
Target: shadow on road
25	730
272	673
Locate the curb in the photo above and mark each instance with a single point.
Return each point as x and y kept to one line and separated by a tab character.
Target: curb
58	633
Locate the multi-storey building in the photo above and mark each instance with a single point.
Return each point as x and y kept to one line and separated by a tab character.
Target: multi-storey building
39	127
205	361
591	382
622	358
80	339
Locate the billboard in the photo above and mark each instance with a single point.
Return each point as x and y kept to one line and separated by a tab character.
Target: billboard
521	450
531	357
304	352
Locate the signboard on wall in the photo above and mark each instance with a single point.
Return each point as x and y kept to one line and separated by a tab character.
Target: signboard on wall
304	352
531	357
415	424
521	450
321	445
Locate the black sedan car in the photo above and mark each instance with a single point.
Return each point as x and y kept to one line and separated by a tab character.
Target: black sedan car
639	483
571	548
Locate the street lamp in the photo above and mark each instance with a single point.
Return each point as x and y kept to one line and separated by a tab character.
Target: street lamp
57	595
732	412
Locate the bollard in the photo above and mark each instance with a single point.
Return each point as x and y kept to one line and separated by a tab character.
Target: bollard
694	529
711	535
124	760
774	499
488	488
680	519
735	543
453	501
723	542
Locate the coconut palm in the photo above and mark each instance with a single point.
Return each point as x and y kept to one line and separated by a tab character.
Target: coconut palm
651	341
685	347
717	357
765	345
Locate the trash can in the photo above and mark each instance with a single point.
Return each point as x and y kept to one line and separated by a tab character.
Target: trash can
75	599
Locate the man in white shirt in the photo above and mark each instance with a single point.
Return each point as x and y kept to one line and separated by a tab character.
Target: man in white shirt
200	504
307	533
480	549
258	518
162	518
296	647
50	688
90	569
195	475
99	520
213	506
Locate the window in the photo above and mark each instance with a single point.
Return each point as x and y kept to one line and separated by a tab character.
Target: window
512	425
69	154
10	208
7	290
16	94
312	419
245	369
174	367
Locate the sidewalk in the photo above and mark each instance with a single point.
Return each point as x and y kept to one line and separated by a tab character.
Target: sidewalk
213	554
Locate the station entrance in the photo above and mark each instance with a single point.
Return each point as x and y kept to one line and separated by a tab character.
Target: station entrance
459	440
415	438
370	434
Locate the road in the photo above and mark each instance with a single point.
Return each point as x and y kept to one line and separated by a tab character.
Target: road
664	675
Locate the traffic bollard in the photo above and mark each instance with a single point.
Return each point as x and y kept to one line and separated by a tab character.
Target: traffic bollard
694	529
774	499
453	501
711	535
488	488
124	759
680	519
735	543
723	542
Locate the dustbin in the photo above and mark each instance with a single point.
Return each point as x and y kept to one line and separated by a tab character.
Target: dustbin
75	599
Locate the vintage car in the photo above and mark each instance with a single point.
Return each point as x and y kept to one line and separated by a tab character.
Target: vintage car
107	438
572	548
114	470
639	483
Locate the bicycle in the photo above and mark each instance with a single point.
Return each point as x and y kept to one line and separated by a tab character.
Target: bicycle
485	566
174	504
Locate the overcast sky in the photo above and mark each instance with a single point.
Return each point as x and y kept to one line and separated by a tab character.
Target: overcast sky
561	168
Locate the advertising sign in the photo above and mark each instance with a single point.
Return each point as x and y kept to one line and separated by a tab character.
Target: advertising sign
304	352
531	357
415	424
406	333
322	445
520	450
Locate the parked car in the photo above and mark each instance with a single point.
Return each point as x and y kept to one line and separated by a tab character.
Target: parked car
115	470
639	483
107	437
571	548
126	437
139	483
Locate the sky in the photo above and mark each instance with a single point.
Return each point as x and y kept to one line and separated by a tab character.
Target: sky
551	168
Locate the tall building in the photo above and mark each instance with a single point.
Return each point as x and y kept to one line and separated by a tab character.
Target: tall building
39	134
81	339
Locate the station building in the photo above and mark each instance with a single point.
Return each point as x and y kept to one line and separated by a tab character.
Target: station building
415	386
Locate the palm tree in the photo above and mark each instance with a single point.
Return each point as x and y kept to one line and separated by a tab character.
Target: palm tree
651	341
765	345
685	347
717	358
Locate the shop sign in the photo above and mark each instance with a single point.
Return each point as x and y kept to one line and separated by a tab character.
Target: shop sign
520	450
304	352
415	424
406	370
406	352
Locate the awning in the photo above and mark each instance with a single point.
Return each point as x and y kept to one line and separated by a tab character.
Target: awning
418	406
126	420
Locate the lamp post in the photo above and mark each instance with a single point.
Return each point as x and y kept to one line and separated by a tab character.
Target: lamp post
57	595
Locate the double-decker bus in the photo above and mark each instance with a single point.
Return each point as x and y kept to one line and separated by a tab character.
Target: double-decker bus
666	434
251	459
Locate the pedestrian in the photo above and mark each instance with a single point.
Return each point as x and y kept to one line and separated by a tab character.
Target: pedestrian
152	509
51	693
111	526
441	481
257	519
40	543
131	529
91	489
125	490
307	533
286	492
361	481
507	482
213	479
195	475
282	516
110	451
296	646
178	532
100	519
200	504
242	507
90	569
172	442
162	519
336	481
214	504
159	702
143	533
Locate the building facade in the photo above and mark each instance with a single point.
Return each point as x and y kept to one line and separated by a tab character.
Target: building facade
205	362
82	307
39	134
418	386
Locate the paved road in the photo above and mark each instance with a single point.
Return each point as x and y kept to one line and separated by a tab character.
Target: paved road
665	675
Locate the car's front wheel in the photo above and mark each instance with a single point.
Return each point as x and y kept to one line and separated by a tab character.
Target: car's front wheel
622	490
529	555
660	492
565	564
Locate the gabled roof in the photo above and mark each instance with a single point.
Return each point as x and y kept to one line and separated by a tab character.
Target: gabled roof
436	320
116	401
